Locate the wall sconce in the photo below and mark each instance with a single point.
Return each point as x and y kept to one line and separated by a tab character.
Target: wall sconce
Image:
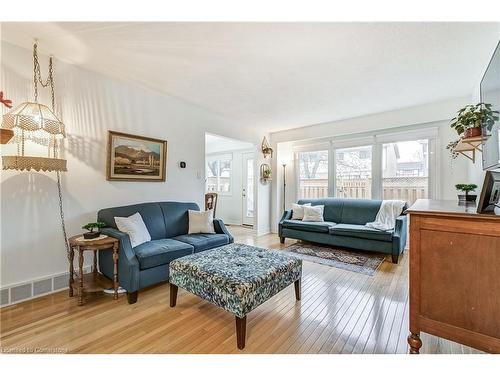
266	148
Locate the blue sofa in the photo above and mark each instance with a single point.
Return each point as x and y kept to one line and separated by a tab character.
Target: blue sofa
344	226
147	264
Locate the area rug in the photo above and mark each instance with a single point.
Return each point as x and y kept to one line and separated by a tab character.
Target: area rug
351	260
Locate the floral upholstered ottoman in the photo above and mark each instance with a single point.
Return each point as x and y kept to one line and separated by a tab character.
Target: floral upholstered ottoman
236	277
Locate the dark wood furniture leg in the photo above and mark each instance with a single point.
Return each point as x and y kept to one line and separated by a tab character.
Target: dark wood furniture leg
71	271
241	330
94	269
132	297
80	274
115	270
282	239
395	258
173	294
298	291
415	343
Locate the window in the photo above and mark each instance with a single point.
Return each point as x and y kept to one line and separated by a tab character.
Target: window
313	174
398	165
218	171
405	174
353	172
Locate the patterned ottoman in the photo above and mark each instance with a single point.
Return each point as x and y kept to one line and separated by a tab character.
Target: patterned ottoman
236	277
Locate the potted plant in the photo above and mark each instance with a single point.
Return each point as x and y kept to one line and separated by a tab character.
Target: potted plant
472	118
267	174
90	227
466	188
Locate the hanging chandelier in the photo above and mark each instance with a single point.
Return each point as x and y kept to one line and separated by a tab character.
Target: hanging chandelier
35	122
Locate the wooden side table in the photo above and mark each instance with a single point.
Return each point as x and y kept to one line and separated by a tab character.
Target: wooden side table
93	282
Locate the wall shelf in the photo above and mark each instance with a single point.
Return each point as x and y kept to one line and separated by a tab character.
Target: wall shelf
468	147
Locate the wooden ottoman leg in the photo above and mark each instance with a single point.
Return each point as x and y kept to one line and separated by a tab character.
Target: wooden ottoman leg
241	330
298	291
173	294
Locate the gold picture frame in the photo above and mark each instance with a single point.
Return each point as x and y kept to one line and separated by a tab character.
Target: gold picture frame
135	158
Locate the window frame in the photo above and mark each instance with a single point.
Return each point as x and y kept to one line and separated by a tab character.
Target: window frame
376	141
218	158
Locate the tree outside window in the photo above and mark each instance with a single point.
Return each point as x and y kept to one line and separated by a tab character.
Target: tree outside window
218	176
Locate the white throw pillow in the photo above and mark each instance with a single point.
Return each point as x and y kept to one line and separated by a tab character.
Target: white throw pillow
298	210
313	213
135	228
201	221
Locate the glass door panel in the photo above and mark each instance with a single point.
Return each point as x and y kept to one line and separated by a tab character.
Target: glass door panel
313	174
248	189
405	170
353	172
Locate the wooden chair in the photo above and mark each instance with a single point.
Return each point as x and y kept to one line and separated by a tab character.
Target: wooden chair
211	201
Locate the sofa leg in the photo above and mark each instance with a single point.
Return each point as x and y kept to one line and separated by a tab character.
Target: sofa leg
282	239
132	297
395	258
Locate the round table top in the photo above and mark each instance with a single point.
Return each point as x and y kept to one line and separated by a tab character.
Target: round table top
98	242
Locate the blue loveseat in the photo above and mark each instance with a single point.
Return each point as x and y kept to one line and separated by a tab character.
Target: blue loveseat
147	264
344	226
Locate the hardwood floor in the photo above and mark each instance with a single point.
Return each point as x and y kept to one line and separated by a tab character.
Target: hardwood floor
340	312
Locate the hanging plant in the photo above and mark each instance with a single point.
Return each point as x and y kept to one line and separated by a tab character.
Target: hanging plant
451	147
472	118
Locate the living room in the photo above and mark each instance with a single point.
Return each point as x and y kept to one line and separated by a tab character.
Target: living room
286	184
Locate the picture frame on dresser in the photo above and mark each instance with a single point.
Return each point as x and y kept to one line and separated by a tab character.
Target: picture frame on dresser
490	193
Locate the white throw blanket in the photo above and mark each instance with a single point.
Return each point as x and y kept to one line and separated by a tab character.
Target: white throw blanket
386	217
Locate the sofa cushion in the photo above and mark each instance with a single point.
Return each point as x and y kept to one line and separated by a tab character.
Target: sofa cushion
203	241
176	219
360	231
158	252
310	226
359	211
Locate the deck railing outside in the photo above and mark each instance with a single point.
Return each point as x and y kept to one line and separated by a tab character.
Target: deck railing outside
408	189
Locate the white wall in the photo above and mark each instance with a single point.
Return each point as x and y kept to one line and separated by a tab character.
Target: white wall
90	104
430	115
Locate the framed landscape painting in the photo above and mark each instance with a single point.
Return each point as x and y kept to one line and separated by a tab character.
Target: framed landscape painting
136	158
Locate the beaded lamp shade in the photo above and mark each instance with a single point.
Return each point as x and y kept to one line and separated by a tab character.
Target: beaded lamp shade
35	122
34	117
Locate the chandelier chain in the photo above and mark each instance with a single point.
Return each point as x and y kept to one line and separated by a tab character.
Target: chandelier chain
37	78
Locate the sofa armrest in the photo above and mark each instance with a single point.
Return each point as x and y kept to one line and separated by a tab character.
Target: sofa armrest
128	265
221	228
287	215
401	225
400	234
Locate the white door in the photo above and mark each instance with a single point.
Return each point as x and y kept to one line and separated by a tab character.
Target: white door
247	185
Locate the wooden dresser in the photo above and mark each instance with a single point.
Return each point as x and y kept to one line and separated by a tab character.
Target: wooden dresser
454	274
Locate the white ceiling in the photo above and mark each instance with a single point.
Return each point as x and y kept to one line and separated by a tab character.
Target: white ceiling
277	76
216	143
